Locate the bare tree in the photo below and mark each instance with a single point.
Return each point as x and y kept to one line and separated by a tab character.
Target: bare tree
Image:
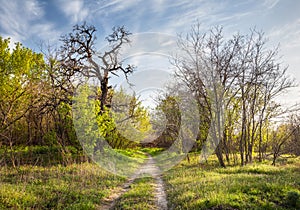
79	55
261	78
238	76
205	66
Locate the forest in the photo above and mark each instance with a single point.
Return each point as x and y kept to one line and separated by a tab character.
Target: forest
220	138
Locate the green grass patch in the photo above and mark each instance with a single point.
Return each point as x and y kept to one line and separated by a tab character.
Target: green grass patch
140	196
153	151
134	153
254	186
76	186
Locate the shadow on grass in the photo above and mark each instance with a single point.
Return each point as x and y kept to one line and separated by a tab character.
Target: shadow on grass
42	156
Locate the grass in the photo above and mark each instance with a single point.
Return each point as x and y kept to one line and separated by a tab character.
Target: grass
77	186
255	186
153	151
140	195
53	185
134	153
48	183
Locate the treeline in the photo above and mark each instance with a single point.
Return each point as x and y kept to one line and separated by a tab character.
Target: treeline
37	89
31	108
236	81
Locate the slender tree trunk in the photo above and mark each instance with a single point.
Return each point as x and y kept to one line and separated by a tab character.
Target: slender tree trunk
275	155
220	156
225	146
250	148
260	143
243	134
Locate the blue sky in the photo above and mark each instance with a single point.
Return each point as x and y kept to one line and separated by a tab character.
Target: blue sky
33	21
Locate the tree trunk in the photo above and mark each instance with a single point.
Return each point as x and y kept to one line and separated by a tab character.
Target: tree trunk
220	156
243	137
243	134
260	143
275	155
104	91
225	146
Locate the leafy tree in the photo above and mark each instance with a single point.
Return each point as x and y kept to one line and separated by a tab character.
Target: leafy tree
20	72
280	136
131	118
167	121
125	125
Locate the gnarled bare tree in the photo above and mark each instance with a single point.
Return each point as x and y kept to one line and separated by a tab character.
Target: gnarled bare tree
80	56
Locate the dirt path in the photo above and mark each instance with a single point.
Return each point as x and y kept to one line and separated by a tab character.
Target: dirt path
148	169
152	170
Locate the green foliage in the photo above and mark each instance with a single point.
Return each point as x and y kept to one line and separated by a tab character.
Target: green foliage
153	151
50	138
131	118
135	153
293	199
167	121
64	127
41	155
20	73
119	129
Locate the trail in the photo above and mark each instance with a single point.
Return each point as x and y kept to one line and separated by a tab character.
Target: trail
147	169
151	169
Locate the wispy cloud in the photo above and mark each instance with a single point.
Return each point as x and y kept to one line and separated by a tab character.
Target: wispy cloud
23	19
75	10
34	9
10	22
108	7
147	16
288	35
269	4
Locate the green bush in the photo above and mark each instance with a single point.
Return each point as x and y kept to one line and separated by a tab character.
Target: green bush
293	199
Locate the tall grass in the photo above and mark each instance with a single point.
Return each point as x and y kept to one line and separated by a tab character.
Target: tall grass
44	178
76	186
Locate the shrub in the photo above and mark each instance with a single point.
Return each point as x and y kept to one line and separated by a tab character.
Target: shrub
293	199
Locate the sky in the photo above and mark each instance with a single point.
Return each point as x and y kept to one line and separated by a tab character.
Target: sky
34	21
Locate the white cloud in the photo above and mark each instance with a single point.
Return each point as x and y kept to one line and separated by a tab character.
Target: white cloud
18	20
288	35
10	23
269	4
46	32
114	6
34	9
75	10
185	14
